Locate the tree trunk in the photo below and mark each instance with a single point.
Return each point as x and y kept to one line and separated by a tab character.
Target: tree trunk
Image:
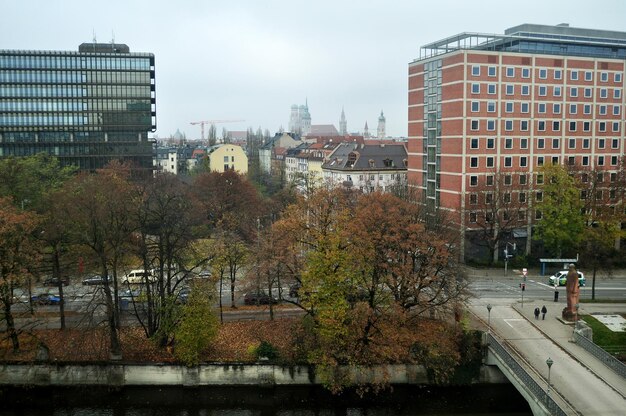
232	294
56	274
220	295
593	283
8	317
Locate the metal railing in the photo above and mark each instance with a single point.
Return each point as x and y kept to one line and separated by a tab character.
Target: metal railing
526	379
608	360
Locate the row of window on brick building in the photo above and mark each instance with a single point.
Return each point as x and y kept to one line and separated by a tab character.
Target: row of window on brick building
572	143
543	73
522	179
507	161
542	90
524	125
524	108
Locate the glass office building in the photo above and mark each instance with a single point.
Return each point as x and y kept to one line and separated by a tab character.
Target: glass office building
86	108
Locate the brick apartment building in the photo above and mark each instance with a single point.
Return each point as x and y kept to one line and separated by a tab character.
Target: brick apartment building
481	105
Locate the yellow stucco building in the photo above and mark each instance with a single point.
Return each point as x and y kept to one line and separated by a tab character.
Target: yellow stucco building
224	157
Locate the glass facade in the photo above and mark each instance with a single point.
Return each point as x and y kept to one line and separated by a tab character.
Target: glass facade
85	107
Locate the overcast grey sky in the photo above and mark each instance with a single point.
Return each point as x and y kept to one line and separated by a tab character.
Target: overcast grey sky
253	59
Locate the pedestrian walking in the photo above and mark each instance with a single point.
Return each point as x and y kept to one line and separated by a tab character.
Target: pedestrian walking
537	313
544	310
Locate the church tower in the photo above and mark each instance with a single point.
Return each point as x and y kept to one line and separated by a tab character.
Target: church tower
366	131
294	120
306	118
381	133
343	124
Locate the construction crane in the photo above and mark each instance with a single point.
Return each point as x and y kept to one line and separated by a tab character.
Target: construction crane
212	122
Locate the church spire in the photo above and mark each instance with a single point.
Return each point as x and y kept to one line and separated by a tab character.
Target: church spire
343	124
381	131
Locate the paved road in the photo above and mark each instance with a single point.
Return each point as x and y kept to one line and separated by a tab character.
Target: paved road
582	380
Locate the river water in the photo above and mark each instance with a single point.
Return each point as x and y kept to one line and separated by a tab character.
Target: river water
259	401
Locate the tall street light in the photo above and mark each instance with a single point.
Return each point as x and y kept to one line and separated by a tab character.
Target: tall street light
549	362
489	318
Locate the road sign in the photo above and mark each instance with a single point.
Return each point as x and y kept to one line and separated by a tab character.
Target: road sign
525	272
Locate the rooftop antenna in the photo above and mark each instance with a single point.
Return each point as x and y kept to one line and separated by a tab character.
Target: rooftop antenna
112	40
94	39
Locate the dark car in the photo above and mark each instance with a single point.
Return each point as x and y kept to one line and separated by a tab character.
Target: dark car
93	280
54	281
258	298
46	299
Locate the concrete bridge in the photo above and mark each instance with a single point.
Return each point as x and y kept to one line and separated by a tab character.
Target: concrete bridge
583	381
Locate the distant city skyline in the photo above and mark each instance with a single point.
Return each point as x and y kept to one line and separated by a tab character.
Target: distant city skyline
251	61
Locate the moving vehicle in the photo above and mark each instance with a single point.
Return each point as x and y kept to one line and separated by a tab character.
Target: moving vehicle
54	281
138	277
96	279
46	299
258	298
560	278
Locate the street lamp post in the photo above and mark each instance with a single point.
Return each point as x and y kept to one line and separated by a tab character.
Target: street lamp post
489	318
576	322
549	362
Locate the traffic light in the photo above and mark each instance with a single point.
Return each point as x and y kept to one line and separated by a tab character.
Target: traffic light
523	286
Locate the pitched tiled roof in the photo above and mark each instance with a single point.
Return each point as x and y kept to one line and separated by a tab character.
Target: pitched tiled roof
354	156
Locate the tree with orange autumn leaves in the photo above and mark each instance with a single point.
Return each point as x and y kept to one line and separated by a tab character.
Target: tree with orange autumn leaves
18	252
372	274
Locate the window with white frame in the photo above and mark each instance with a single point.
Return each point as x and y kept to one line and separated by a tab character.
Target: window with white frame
541	143
556	91
508	107
525	90
523	143
573	108
475	106
558	74
491	106
600	160
543	90
509	89
491	143
555	160
613	160
572	126
473	180
617	93
490	161
602	126
508	125
491	89
475	124
541	108
525	107
523	161
508	180
571	143
601	143
523	125
616	110
615	128
508	143
491	71
472	217
586	143
588	76
539	160
476	70
586	126
525	72
604	93
587	108
510	71
573	92
475	88
556	126
541	125
508	162
543	73
522	179
489	180
604	76
473	162
615	144
585	161
556	143
556	108
587	92
573	75
602	110
491	125
474	143
617	77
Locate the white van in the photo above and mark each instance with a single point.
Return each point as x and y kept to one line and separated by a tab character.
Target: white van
138	277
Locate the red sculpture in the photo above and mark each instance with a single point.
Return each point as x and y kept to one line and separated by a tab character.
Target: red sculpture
572	289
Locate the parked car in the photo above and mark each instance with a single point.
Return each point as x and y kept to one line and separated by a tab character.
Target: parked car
138	277
183	295
258	298
560	278
54	281
46	299
96	279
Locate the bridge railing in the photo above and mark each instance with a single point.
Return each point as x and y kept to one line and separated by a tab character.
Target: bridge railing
529	382
610	361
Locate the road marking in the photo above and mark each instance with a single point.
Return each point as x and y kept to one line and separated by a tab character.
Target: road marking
512	320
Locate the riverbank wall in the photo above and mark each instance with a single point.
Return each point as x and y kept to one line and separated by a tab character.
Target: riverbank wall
120	375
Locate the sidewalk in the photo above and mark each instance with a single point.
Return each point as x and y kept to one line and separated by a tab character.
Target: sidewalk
561	334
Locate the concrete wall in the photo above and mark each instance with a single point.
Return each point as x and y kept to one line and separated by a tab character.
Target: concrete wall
204	375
